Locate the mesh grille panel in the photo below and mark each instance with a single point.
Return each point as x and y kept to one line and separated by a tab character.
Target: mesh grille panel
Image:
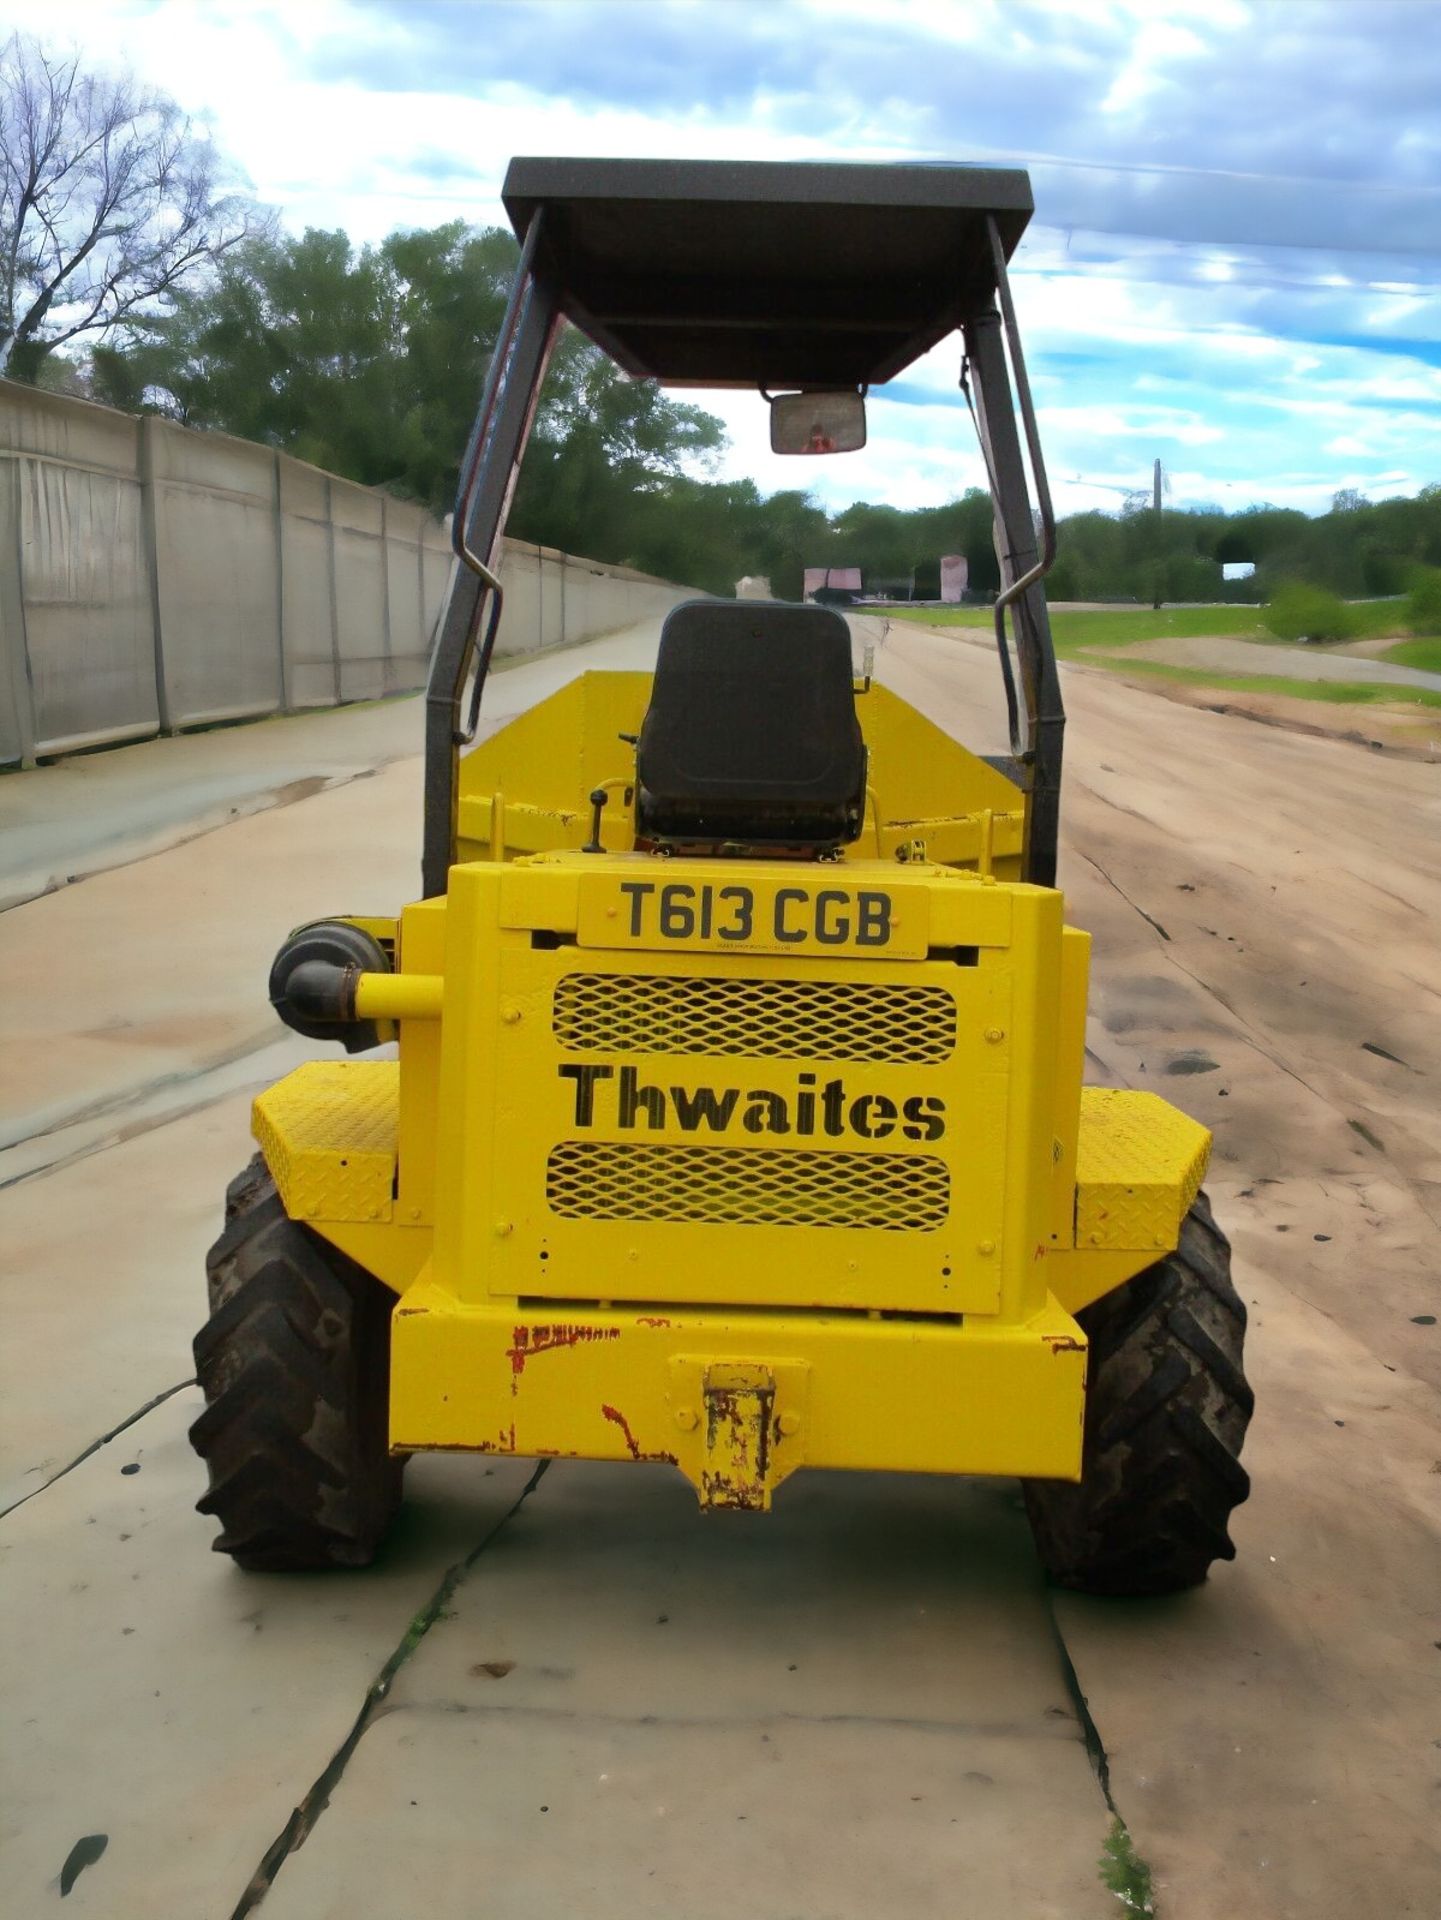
608	1180
780	1019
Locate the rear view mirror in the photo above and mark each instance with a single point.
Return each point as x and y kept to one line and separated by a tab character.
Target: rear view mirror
818	422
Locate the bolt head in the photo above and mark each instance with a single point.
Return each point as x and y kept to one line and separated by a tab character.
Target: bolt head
686	1418
790	1423
503	1228
994	1036
986	1248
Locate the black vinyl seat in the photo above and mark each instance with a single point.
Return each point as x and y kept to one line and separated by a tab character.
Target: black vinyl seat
751	736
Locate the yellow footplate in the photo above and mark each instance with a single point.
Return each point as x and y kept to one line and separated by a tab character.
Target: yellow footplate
328	1133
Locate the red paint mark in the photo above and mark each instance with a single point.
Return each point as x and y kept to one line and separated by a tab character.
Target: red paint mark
613	1414
527	1341
651	1320
618	1418
1040	1253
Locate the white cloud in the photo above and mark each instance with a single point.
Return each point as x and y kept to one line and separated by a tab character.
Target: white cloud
1242	358
1158	42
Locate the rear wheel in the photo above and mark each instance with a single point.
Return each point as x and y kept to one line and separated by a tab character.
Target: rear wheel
1167	1408
295	1366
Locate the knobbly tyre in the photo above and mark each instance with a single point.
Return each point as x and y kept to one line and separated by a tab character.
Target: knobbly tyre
738	1119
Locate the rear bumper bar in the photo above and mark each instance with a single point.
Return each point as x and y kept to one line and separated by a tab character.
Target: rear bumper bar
739	1401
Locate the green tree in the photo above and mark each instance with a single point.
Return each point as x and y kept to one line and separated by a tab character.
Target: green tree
1298	611
109	204
1423	603
370	363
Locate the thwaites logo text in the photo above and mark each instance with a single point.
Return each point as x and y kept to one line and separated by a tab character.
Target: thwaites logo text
810	1109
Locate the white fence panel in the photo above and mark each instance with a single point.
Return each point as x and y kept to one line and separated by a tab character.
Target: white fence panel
154	577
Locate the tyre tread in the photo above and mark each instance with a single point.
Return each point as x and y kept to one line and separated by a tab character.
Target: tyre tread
1167	1408
294	1364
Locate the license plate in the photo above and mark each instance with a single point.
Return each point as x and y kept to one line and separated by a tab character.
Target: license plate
754	916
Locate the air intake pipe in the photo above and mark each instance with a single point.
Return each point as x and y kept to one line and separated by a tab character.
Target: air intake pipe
333	981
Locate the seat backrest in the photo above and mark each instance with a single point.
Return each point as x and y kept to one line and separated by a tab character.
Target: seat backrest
751	734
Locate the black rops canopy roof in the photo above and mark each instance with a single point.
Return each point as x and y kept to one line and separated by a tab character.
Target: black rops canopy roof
745	273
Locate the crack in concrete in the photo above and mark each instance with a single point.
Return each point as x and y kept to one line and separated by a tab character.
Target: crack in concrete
779	1717
1149	919
301	1823
137	1129
112	1104
1091	1734
95	1445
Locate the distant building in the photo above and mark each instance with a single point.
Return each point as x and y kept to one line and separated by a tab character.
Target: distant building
836	585
955	577
1237	569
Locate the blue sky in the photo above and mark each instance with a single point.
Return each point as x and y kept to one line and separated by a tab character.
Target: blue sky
1235	262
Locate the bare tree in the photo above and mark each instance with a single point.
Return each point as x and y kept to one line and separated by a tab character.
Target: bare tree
108	199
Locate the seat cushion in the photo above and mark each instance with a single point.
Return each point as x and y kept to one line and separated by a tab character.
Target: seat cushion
752	734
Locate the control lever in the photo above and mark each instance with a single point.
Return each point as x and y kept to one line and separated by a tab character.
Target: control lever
597	800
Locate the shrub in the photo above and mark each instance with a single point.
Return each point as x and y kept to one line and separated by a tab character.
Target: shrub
1298	612
1423	603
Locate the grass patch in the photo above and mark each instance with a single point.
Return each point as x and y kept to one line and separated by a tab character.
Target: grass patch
1124	1871
1113	627
933	616
1336	693
1424	653
1374	619
1110	627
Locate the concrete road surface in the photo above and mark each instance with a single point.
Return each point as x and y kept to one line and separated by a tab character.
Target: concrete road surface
570	1694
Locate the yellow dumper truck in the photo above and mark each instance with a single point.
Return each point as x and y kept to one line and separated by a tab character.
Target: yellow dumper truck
738	1118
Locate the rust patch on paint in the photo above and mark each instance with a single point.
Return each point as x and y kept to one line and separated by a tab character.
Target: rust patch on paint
617	1418
633	1446
738	1430
528	1341
652	1320
1064	1343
